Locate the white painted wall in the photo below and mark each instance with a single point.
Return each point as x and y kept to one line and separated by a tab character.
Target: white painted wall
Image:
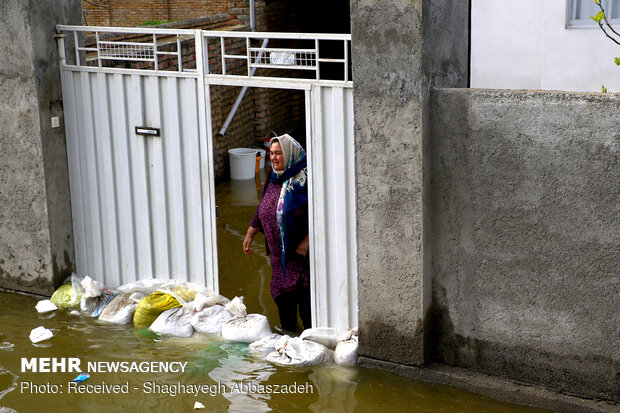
525	45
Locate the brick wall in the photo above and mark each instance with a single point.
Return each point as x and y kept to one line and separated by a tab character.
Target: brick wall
131	13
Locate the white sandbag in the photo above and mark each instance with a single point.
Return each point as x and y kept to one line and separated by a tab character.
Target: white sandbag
45	306
246	329
91	297
91	287
203	300
104	300
346	349
266	344
93	306
40	334
322	335
211	319
173	322
237	307
120	310
298	352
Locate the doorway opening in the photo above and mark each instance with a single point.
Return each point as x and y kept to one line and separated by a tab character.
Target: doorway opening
262	114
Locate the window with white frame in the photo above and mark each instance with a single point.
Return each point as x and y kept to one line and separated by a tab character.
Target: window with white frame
578	12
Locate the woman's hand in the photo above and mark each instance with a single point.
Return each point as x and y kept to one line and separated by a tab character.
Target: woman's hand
304	245
249	236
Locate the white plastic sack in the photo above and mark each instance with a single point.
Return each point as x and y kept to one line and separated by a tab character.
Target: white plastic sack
40	334
322	335
237	307
211	319
246	329
346	349
91	287
298	352
282	58
120	310
92	295
173	322
203	300
266	344
45	306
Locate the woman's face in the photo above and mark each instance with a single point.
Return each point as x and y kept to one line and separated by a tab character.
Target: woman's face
277	158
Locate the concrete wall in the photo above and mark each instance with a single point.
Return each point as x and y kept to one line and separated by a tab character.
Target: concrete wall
36	244
393	69
525	45
525	242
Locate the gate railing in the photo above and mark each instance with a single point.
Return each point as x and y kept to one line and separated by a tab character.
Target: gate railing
243	55
282	55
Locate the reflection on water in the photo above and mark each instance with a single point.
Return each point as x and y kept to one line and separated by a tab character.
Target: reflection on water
244	193
228	376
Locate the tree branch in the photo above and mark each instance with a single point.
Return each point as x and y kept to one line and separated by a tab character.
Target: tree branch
606	34
600	6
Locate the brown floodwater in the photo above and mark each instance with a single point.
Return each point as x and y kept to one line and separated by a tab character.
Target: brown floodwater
227	375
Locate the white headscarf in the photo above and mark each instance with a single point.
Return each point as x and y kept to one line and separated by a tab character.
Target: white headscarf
291	151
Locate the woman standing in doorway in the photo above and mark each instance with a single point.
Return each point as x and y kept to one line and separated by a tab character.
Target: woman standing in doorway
282	216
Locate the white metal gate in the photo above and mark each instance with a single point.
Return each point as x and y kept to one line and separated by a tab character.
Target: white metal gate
139	143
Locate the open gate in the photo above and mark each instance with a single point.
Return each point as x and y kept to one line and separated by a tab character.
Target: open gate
140	151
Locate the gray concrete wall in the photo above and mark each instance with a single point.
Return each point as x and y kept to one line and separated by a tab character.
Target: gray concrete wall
394	65
525	209
36	244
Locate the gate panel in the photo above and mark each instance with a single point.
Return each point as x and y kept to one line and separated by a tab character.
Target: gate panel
138	201
332	169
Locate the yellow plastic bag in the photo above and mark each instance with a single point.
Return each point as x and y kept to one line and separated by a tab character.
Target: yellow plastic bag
66	296
151	306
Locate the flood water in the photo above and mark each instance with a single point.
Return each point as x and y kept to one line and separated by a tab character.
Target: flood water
230	375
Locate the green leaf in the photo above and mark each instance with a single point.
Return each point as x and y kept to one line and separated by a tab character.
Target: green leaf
617	60
603	89
599	16
597	1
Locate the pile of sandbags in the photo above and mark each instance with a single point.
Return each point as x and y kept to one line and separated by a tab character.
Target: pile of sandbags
181	308
164	307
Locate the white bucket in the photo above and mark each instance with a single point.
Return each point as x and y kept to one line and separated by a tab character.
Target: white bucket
242	162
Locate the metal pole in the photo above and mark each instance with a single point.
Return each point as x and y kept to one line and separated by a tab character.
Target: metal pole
252	17
60	40
241	94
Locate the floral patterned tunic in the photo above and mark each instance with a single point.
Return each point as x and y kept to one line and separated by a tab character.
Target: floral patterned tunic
297	266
